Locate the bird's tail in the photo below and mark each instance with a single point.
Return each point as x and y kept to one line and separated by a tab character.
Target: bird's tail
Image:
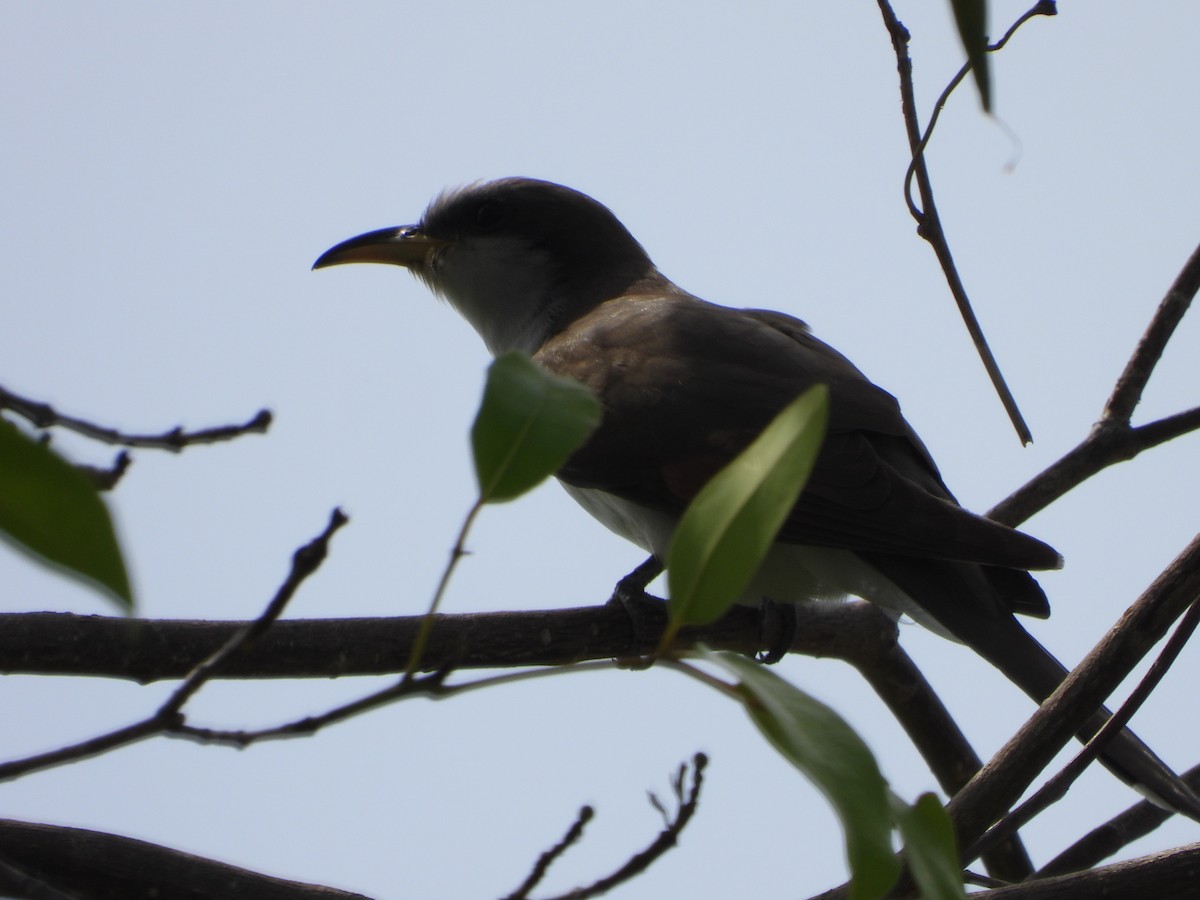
950	592
1013	650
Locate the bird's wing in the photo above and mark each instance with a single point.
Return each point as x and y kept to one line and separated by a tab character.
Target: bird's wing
686	385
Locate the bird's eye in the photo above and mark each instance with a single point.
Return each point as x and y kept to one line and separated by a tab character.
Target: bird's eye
488	215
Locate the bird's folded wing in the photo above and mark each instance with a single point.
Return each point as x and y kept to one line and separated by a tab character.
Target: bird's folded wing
686	385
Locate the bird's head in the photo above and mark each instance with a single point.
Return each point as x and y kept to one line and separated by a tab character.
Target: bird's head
519	258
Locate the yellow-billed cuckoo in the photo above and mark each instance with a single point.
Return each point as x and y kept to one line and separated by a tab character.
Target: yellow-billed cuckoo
685	385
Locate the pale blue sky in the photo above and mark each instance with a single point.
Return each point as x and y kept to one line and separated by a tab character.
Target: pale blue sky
170	173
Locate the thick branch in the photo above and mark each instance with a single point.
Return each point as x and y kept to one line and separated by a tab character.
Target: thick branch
1111	837
99	866
939	740
1172	873
153	650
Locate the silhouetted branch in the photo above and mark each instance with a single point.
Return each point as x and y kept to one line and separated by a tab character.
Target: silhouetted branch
1056	788
667	838
1172	873
89	865
1114	835
43	415
1002	781
1113	439
939	740
146	650
168	717
929	224
542	866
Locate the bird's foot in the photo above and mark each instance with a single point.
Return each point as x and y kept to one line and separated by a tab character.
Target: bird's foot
647	613
777	623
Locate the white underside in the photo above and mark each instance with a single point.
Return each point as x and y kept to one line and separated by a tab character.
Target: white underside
791	573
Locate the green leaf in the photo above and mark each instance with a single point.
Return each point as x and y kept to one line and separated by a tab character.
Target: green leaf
51	511
818	742
971	18
529	422
729	526
929	847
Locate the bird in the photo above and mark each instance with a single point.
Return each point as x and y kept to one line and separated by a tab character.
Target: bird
685	385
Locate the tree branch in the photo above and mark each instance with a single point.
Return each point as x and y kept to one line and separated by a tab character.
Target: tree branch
1058	785
666	839
77	863
1172	873
1112	439
920	711
43	415
1002	781
929	224
147	650
1119	832
169	717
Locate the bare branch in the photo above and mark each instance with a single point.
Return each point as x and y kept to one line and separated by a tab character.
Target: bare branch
939	740
1111	837
305	561
43	415
78	863
1056	788
929	224
106	479
666	839
1001	782
542	866
146	650
1113	440
1174	305
1171	873
168	717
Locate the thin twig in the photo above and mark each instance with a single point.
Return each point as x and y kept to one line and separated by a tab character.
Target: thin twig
168	717
929	224
305	561
547	859
457	552
430	686
43	415
1043	8
666	839
1170	312
1112	439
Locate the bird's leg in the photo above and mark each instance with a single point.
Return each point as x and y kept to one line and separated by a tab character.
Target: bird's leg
647	614
777	623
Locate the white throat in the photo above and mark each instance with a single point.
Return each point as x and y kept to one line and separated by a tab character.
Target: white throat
501	286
